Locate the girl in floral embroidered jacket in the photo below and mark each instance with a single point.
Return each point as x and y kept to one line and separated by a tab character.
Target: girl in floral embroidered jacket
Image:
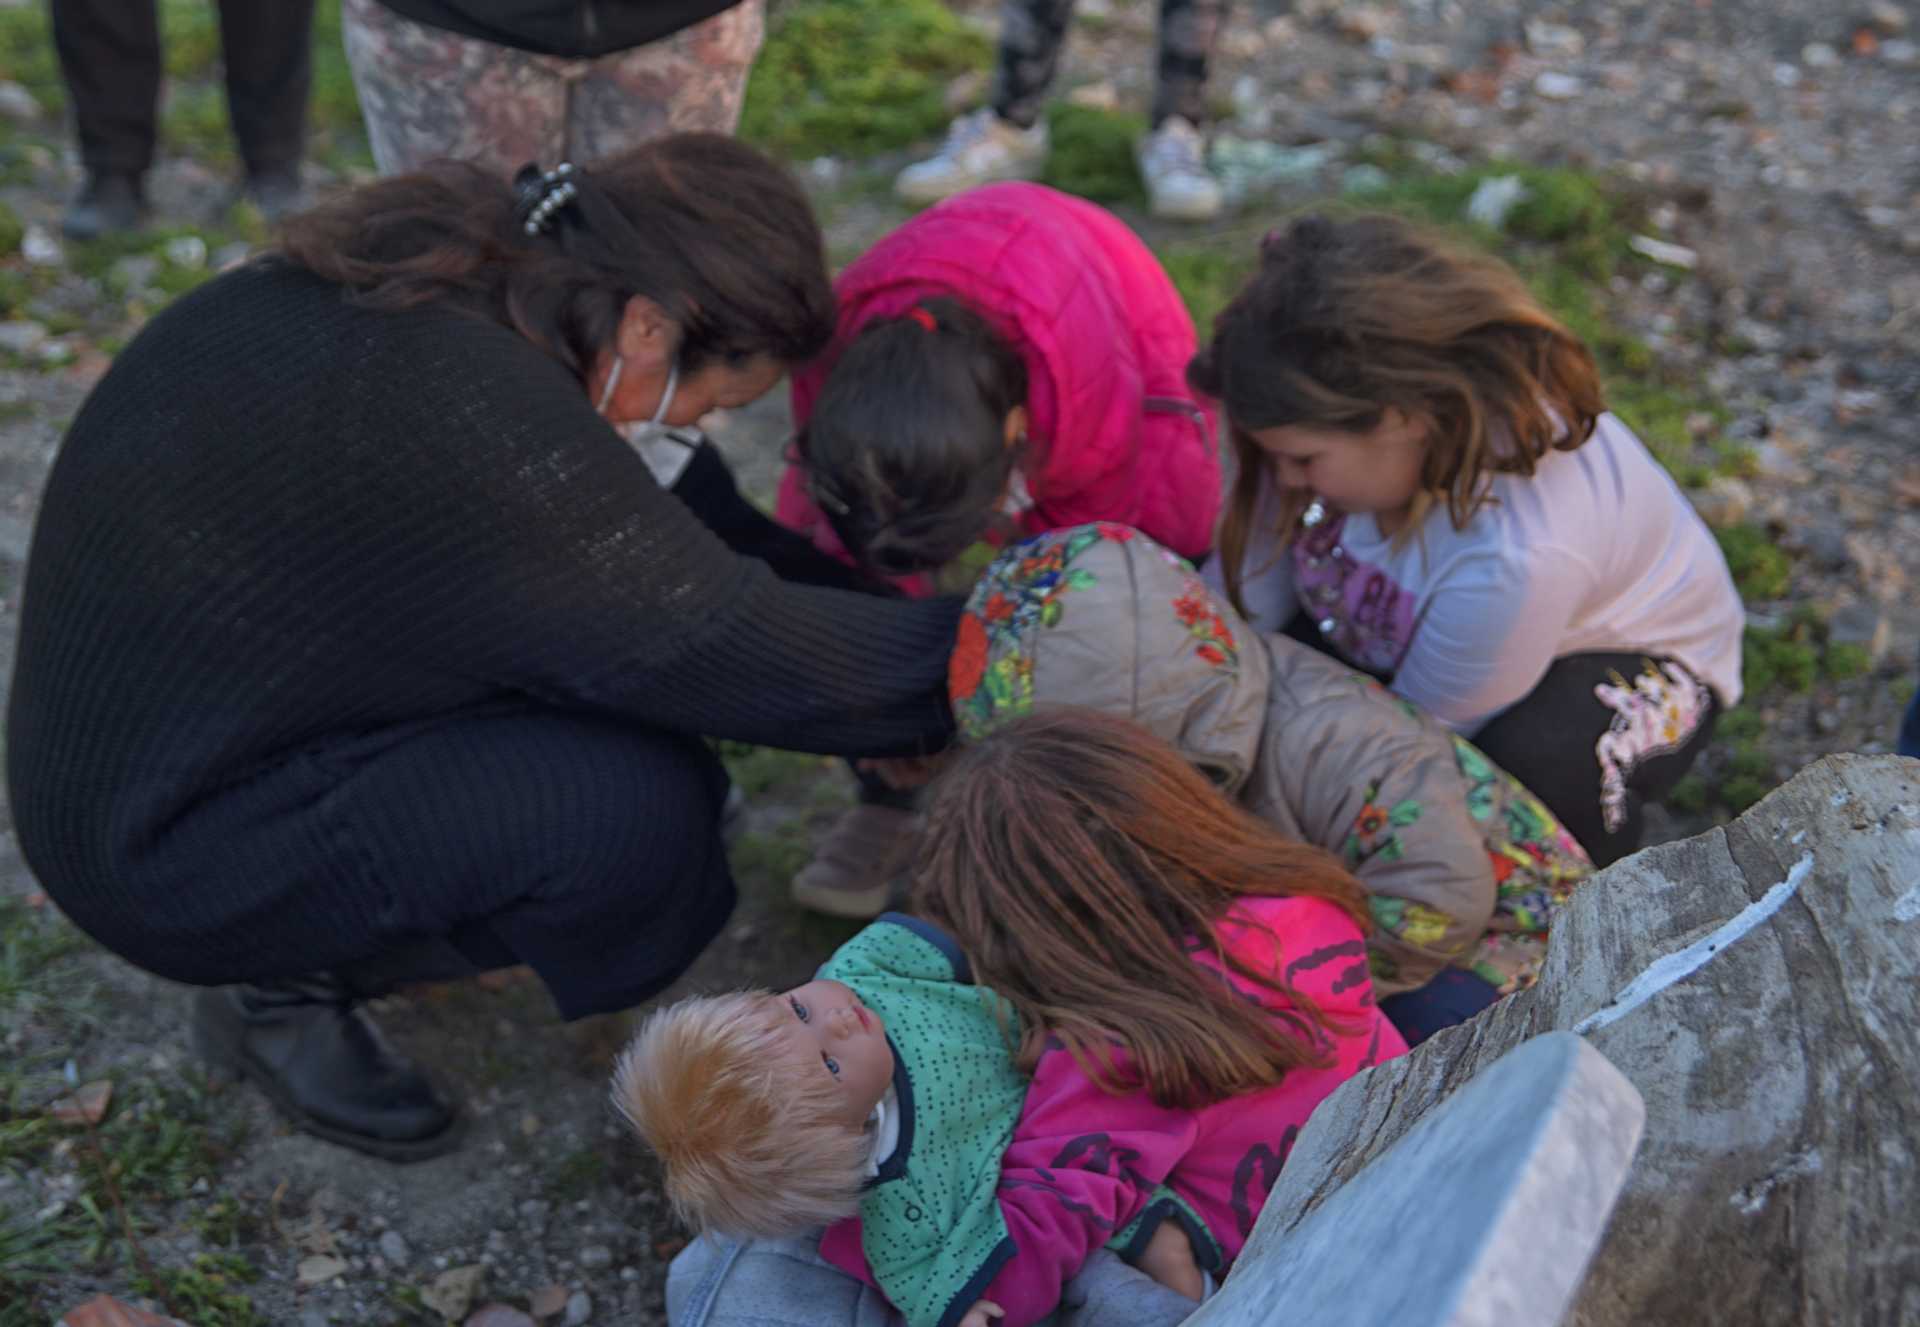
1464	867
1430	488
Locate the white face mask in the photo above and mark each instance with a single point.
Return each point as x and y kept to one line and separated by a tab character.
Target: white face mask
666	450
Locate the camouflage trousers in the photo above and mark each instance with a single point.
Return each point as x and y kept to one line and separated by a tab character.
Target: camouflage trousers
428	93
1033	33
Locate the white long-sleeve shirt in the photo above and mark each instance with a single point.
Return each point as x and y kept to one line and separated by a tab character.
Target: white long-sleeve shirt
1596	551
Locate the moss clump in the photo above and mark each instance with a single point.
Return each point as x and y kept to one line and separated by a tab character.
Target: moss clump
1690	795
1759	568
1771	659
1846	660
1206	279
1092	153
856	76
1739	724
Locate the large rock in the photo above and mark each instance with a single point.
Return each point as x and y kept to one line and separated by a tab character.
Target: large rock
1524	1164
1760	986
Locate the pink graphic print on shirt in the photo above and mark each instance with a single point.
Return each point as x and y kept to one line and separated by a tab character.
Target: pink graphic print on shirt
1360	610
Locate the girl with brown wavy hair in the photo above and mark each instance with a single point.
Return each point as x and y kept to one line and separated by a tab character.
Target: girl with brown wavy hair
1157	940
1430	487
1121	1000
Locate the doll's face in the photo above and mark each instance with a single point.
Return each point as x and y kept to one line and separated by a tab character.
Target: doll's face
829	1031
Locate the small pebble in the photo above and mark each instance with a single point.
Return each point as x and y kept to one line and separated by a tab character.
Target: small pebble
579	1308
596	1256
393	1248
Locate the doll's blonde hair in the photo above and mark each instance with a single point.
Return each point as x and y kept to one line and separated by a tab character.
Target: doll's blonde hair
751	1144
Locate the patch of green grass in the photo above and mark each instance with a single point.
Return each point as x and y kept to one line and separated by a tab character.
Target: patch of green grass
1739	724
1743	790
1749	760
32	944
1759	568
31	1252
856	76
207	1293
333	112
226	1223
1846	660
408	1307
759	770
21	286
1690	795
772	855
190	40
1207	278
195	124
157	1140
1091	153
27	56
1771	659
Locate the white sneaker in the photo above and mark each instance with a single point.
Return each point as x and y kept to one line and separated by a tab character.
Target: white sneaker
980	149
1173	165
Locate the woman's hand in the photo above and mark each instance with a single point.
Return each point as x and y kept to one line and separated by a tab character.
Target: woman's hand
982	1314
1168	1259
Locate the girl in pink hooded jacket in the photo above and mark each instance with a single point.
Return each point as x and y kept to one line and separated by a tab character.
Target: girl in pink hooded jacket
1013	359
1009	362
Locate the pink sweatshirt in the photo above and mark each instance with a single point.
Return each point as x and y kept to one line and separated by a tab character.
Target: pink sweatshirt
1086	1169
1116	434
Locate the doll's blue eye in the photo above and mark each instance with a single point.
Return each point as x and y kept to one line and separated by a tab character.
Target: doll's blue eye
799	1010
833	1065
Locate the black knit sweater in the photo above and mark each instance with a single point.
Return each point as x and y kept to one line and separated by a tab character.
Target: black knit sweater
282	521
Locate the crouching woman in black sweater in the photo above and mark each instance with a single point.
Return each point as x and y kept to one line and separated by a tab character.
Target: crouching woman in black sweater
358	646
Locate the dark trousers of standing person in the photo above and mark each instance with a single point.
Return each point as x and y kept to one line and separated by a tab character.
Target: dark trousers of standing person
1034	32
110	57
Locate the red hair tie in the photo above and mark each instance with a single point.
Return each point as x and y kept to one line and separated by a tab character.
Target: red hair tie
924	318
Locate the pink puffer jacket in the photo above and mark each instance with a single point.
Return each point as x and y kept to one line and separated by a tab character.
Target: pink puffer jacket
1116	433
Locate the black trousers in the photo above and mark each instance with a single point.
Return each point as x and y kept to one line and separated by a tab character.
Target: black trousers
1034	32
110	57
1552	741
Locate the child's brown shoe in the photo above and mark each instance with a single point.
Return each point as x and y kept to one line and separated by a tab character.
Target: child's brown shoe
852	872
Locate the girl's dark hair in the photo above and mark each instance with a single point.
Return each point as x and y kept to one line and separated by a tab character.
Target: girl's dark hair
717	235
906	450
1081	863
1349	316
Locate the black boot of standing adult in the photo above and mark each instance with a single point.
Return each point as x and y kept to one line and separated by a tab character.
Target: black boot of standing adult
324	1064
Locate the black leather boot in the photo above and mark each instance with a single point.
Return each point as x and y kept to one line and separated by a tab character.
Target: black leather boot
110	202
323	1063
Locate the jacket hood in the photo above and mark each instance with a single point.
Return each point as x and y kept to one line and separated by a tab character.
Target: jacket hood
1101	616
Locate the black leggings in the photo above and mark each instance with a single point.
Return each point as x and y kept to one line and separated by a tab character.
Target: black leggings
110	57
1033	32
1552	741
1593	767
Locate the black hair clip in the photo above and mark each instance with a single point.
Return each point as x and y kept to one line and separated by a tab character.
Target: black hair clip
538	195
